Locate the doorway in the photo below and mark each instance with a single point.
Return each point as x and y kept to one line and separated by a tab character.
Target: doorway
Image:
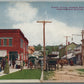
13	56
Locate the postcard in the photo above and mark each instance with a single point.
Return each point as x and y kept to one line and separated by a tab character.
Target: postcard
41	41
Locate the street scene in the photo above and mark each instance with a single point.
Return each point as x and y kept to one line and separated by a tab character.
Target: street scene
41	42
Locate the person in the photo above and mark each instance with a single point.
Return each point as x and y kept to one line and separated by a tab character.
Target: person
3	63
31	65
23	63
13	63
71	62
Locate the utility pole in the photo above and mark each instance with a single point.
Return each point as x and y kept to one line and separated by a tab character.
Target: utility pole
44	58
66	44
82	47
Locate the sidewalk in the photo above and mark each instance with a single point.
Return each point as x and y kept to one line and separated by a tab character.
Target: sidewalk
11	71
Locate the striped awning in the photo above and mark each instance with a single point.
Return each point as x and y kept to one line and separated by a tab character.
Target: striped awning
3	53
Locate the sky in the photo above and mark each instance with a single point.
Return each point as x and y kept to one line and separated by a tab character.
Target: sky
67	19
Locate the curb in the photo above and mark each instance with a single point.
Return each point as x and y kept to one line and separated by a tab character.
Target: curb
41	79
20	81
63	81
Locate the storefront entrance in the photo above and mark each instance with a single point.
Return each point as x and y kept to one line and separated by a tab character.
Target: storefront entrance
13	56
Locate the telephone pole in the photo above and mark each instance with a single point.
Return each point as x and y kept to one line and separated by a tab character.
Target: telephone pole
66	44
82	47
44	58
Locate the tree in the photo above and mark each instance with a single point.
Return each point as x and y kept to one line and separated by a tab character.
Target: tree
62	52
38	47
6	69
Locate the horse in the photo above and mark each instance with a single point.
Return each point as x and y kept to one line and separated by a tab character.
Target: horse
62	62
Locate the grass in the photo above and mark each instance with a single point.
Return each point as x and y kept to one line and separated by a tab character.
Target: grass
24	74
48	74
82	70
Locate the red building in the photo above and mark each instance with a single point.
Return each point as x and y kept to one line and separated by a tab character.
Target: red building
13	44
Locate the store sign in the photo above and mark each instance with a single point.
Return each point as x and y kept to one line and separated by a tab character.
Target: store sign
3	53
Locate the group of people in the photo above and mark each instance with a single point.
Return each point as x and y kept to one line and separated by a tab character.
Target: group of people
16	63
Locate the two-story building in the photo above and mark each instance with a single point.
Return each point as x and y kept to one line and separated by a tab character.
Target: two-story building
13	44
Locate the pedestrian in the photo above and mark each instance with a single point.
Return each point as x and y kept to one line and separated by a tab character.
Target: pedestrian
71	62
3	62
31	65
13	63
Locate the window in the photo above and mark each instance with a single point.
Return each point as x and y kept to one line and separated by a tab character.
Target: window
4	42
0	42
10	42
26	47
21	43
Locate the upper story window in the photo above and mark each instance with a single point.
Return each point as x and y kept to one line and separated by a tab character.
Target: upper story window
6	41
10	42
21	43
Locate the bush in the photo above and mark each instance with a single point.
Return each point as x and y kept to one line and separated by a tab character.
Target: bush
6	69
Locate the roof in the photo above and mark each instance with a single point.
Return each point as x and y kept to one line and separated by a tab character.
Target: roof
13	31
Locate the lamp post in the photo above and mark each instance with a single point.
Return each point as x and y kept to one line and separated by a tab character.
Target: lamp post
44	58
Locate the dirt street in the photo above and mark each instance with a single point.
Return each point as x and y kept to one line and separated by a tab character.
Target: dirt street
69	73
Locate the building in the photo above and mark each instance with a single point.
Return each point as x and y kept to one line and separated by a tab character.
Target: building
31	49
75	55
69	49
78	54
13	44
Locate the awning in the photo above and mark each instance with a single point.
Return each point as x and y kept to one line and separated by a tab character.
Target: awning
69	56
3	53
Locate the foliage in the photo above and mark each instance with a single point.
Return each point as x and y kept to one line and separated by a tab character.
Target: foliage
71	46
51	48
24	74
38	47
62	52
6	69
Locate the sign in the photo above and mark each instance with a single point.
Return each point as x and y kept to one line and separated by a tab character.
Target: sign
3	53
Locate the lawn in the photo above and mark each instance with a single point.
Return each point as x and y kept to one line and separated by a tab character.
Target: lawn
24	74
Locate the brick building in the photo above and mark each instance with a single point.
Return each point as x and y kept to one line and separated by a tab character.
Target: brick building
13	44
